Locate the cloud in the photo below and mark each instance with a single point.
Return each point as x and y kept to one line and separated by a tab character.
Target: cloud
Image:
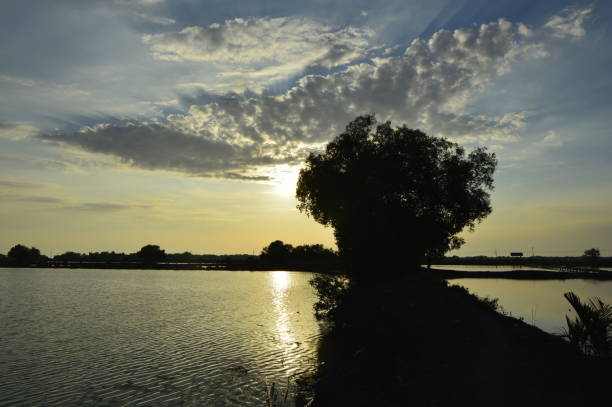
569	23
140	2
105	207
17	131
263	48
155	19
429	86
69	204
39	199
552	139
19	184
155	146
46	88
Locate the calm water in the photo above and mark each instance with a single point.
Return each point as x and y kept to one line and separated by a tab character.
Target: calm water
462	267
147	337
540	303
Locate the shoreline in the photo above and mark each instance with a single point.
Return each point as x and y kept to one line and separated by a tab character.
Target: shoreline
523	274
422	343
176	267
439	273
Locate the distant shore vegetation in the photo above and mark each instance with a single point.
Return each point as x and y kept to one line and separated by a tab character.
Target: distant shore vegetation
275	256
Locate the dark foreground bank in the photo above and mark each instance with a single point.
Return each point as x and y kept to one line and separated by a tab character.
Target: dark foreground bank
420	343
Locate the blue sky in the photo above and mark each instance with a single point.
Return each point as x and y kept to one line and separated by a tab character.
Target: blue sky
183	122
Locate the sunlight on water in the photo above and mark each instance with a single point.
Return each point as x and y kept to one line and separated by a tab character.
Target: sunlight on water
281	281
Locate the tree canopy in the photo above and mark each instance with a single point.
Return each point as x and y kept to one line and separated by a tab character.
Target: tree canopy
593	253
21	255
394	195
151	254
279	254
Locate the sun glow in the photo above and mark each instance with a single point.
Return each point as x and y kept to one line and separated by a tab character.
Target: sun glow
284	179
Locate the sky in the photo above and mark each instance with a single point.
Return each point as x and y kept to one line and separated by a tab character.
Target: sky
184	123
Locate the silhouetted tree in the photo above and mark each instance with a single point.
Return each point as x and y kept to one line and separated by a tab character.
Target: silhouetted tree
392	195
151	254
276	253
20	255
593	255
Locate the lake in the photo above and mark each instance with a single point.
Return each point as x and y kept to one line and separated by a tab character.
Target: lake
540	302
166	338
152	337
463	267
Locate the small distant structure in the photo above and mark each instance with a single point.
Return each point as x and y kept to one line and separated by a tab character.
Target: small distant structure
516	254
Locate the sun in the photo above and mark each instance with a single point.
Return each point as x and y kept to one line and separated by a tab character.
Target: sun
285	179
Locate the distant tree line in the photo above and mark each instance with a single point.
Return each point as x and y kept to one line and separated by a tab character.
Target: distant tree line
311	257
276	255
590	258
24	256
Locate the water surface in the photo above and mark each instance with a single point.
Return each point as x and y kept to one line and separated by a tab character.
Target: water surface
463	267
540	302
151	337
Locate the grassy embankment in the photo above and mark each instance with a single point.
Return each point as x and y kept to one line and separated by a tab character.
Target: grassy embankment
421	343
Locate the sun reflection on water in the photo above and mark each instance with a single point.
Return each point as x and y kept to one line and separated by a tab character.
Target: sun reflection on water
281	281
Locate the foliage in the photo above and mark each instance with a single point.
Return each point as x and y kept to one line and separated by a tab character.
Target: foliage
20	255
394	195
591	330
279	254
151	254
592	253
332	291
276	252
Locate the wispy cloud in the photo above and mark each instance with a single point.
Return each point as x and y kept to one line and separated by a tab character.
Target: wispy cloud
17	131
263	49
105	207
46	88
4	183
59	203
155	19
39	199
569	23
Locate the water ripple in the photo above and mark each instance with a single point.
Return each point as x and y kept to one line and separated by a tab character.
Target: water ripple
156	338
